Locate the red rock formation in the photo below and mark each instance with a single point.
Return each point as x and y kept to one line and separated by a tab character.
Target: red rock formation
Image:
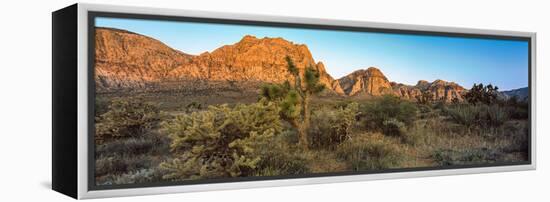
130	60
446	91
127	59
373	82
370	81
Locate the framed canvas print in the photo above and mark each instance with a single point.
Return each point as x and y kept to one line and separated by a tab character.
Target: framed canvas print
150	101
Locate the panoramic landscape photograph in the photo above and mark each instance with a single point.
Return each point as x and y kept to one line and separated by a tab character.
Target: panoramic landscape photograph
189	101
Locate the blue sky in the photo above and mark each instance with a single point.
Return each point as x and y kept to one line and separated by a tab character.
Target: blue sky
402	58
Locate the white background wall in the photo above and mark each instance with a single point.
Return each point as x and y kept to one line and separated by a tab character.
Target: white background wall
25	102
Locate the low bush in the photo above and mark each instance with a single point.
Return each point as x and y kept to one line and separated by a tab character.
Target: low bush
478	115
370	152
388	115
393	127
126	118
221	141
278	157
330	127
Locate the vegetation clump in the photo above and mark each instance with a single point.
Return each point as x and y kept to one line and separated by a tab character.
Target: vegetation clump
221	141
331	127
370	152
293	129
295	100
478	115
482	94
126	118
389	115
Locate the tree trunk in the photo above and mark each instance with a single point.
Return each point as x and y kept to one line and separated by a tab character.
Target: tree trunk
304	126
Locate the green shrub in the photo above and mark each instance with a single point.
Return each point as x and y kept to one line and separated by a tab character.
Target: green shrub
126	118
464	114
393	127
330	127
387	114
496	115
274	91
220	141
478	115
278	157
370	152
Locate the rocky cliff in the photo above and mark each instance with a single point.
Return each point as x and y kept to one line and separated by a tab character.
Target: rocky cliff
129	60
373	82
253	59
370	81
126	60
444	90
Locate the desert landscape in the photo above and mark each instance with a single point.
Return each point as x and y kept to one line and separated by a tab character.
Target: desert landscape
265	107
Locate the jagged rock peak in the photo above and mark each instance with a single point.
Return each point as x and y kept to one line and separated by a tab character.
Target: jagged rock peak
373	71
422	83
248	38
253	59
369	81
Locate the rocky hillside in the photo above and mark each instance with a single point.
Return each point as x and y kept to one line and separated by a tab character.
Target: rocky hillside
370	81
252	59
373	82
126	60
129	60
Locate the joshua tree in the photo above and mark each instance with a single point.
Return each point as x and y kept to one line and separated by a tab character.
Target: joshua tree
425	98
295	99
482	94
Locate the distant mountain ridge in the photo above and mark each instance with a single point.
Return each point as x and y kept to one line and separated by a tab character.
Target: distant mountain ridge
373	82
521	93
126	60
